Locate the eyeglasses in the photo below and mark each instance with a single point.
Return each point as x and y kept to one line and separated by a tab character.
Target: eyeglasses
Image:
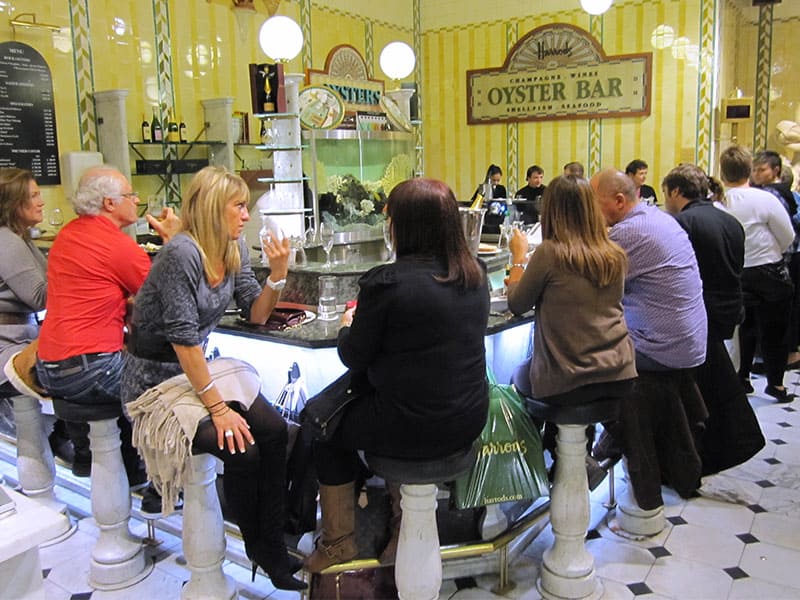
129	195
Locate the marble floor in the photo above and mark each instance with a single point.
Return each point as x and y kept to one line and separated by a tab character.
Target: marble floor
741	539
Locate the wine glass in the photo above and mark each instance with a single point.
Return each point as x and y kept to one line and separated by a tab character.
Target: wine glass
326	237
56	218
387	239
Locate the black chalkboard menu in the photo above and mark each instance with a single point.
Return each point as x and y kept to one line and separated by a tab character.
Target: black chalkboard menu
27	113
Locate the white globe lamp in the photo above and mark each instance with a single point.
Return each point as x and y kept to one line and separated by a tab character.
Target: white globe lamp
596	7
280	38
397	60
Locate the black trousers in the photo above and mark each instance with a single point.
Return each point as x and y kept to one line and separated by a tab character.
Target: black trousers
768	301
255	480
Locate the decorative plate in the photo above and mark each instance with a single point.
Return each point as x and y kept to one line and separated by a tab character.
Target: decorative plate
320	108
395	115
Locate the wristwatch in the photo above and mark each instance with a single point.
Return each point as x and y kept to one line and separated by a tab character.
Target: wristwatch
276	285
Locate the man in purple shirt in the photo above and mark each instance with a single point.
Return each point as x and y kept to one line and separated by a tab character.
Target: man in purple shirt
663	292
666	318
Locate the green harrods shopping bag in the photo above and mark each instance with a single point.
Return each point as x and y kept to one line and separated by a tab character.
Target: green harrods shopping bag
510	463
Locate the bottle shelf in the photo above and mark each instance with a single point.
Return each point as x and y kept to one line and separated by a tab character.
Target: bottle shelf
270	148
275	180
275	116
168	144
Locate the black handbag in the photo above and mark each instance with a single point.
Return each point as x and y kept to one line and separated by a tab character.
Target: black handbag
323	413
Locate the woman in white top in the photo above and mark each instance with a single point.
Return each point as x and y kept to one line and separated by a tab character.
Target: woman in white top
766	285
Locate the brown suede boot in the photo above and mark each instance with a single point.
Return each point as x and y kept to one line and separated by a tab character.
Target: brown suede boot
336	543
389	553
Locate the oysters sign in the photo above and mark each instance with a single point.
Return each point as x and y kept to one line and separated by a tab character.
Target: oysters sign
560	71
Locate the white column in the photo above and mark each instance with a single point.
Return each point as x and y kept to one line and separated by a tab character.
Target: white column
402	96
112	129
218	115
567	566
118	559
204	535
418	567
35	466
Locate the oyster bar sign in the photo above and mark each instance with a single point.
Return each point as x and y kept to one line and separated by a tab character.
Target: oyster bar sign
559	71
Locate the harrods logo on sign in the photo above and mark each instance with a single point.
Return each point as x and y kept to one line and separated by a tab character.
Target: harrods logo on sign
559	71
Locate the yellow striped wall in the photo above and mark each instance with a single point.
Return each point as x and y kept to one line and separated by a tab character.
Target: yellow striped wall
210	54
459	153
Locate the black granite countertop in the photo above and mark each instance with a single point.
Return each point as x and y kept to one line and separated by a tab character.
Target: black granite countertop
323	334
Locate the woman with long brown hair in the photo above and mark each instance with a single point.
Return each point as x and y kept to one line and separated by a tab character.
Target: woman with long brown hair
416	340
575	279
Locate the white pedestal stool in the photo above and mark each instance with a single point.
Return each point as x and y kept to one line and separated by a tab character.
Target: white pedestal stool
204	534
568	567
418	567
118	559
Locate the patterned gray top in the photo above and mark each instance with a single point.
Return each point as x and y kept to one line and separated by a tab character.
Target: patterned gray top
177	302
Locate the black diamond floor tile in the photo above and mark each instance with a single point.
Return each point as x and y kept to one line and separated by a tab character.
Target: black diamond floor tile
463	583
736	573
638	589
778	442
677	520
748	538
81	596
764	483
789	409
785	424
772	461
45	573
659	551
757	508
592	534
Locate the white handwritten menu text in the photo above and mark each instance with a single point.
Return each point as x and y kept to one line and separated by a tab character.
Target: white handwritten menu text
27	113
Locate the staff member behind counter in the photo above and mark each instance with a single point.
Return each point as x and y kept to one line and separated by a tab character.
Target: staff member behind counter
489	189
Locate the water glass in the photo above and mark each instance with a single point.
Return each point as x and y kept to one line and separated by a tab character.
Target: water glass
326	308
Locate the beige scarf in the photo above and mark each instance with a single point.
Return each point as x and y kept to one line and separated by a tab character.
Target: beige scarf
165	420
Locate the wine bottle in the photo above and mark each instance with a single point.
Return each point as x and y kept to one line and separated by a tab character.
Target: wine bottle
182	131
157	134
146	130
173	134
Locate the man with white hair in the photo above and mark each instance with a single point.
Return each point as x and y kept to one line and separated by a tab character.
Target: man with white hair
94	268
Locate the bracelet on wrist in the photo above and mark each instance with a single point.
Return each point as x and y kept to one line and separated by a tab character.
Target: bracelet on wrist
206	388
219	412
518	265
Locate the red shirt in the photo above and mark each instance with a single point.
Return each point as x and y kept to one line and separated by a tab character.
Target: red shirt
92	270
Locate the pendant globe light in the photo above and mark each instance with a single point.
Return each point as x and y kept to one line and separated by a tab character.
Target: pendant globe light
280	38
596	7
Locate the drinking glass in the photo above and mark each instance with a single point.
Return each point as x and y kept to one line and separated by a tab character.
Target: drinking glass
56	218
326	238
387	240
505	235
326	307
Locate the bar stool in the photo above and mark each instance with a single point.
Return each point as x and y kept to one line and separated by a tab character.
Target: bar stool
418	567
204	534
118	559
36	468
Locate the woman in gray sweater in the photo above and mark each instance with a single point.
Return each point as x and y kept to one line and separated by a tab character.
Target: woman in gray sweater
23	269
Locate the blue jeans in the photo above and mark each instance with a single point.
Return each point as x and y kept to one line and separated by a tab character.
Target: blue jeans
86	388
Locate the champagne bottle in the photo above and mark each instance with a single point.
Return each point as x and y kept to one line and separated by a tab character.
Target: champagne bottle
157	134
182	131
173	134
146	134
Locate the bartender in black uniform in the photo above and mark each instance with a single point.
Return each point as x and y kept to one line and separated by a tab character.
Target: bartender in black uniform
532	195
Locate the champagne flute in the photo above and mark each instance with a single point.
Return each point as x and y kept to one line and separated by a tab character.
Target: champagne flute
387	240
326	237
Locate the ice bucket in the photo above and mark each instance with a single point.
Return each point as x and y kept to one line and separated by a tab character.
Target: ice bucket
472	223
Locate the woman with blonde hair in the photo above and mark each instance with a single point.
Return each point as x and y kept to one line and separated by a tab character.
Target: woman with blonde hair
191	283
575	280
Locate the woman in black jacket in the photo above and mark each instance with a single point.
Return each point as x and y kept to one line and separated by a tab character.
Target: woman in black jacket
415	345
